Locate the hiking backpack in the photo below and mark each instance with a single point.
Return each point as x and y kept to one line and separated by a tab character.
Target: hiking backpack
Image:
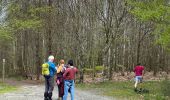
45	69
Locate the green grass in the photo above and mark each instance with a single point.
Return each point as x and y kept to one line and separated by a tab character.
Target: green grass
122	90
6	88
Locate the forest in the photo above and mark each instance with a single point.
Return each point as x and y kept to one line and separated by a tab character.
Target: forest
114	35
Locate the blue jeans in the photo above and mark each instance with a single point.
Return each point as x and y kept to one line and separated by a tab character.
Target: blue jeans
138	79
68	85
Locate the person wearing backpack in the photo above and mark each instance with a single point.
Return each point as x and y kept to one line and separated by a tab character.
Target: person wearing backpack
60	79
48	71
69	76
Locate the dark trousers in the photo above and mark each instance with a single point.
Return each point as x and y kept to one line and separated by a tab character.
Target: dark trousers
49	84
61	87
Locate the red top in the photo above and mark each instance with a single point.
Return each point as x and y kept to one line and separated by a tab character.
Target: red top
138	70
69	73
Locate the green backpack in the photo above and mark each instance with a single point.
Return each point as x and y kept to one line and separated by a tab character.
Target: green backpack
45	69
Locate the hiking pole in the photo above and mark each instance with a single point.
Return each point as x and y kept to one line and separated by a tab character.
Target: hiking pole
3	70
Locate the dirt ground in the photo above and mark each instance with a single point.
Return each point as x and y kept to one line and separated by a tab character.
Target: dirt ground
33	90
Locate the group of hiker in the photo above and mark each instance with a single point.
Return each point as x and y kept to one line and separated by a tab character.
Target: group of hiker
65	75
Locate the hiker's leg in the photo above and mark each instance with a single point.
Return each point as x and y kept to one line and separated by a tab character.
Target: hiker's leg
72	90
45	95
136	81
62	89
50	95
51	84
46	84
46	88
58	87
58	90
51	87
140	82
66	87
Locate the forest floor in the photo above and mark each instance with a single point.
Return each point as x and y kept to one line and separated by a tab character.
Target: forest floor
128	76
120	88
124	90
30	90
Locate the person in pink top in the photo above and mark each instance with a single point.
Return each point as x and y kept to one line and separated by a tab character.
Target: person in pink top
138	70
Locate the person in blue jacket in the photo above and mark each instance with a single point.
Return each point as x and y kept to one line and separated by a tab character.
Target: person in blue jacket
49	80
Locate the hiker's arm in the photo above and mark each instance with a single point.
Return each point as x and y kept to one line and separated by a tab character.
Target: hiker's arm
53	67
76	70
59	69
143	73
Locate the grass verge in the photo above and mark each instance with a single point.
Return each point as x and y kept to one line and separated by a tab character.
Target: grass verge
4	88
125	90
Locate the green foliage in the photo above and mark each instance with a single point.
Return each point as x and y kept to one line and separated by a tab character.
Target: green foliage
154	10
21	19
163	37
99	68
42	10
157	12
26	24
88	70
5	33
96	69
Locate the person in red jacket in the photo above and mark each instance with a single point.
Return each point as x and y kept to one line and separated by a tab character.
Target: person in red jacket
138	70
69	76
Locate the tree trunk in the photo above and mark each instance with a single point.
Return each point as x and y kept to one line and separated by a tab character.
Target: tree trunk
49	33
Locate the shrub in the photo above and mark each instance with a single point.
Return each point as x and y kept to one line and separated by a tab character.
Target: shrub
96	70
88	70
99	68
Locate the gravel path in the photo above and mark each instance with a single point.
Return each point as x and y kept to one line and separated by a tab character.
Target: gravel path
35	92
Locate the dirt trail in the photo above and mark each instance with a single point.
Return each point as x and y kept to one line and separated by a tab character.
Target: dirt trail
35	92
